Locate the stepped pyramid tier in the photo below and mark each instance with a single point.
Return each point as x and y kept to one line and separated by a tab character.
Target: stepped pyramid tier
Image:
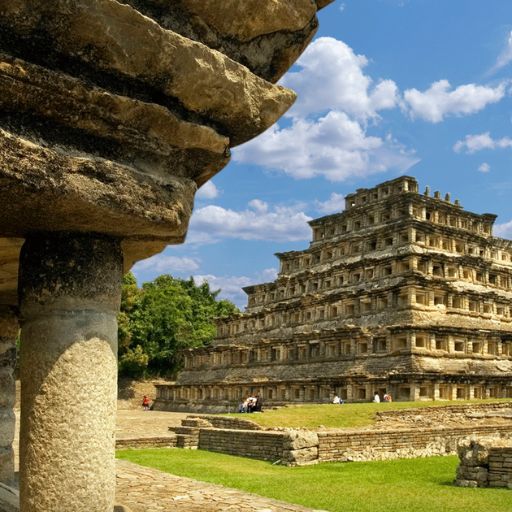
112	114
402	293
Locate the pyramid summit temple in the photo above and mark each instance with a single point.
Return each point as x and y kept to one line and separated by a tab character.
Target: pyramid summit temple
401	293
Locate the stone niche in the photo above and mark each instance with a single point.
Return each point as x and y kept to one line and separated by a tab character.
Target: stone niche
112	114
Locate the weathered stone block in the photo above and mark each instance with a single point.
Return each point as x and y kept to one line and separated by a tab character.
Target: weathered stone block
6	464
9	499
7	383
301	457
299	439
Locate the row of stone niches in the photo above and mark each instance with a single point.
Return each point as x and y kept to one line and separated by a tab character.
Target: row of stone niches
387	240
408	298
418	342
324	393
380	215
346	277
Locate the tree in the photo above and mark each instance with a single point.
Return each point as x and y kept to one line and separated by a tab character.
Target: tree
164	317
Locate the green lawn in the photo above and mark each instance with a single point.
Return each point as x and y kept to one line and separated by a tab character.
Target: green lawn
410	485
336	416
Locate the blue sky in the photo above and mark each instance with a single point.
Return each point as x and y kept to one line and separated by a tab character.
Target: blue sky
388	87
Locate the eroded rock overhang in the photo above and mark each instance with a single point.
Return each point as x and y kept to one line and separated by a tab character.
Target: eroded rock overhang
113	113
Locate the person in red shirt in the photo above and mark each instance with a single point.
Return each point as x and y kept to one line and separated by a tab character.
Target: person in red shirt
146	402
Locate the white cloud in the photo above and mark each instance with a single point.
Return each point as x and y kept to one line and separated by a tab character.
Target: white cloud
258	206
505	57
440	100
335	203
269	274
231	286
334	146
328	132
332	78
503	230
473	143
484	167
208	191
258	222
164	264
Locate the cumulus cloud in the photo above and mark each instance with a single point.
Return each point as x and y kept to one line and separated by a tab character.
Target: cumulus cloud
335	204
328	130
231	286
208	191
257	222
333	146
331	77
269	274
503	230
505	57
473	143
440	100
164	264
258	205
484	167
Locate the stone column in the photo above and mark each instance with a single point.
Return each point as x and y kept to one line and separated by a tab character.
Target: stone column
69	289
8	333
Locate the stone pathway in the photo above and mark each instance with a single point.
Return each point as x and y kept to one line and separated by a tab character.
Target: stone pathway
148	490
139	423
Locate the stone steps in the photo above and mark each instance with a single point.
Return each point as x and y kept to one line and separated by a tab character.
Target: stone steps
186	437
196	422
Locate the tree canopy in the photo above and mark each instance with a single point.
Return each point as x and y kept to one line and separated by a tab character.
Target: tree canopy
161	319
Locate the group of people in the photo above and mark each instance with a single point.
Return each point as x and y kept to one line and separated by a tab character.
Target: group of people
376	398
387	397
251	404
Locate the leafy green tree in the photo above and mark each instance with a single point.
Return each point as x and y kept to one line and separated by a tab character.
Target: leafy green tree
130	296
164	317
133	362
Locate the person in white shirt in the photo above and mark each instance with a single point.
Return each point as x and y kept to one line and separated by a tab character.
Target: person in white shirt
376	398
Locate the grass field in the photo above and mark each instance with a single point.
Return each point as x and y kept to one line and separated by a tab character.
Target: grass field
411	485
337	416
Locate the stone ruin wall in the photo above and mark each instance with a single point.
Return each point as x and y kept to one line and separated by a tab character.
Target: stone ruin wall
485	462
400	443
402	292
380	442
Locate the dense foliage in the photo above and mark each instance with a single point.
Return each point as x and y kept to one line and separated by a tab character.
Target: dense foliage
163	317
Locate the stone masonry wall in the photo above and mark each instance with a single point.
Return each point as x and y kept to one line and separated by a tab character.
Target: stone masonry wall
256	445
500	467
146	442
442	414
288	447
297	447
485	462
352	445
229	423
